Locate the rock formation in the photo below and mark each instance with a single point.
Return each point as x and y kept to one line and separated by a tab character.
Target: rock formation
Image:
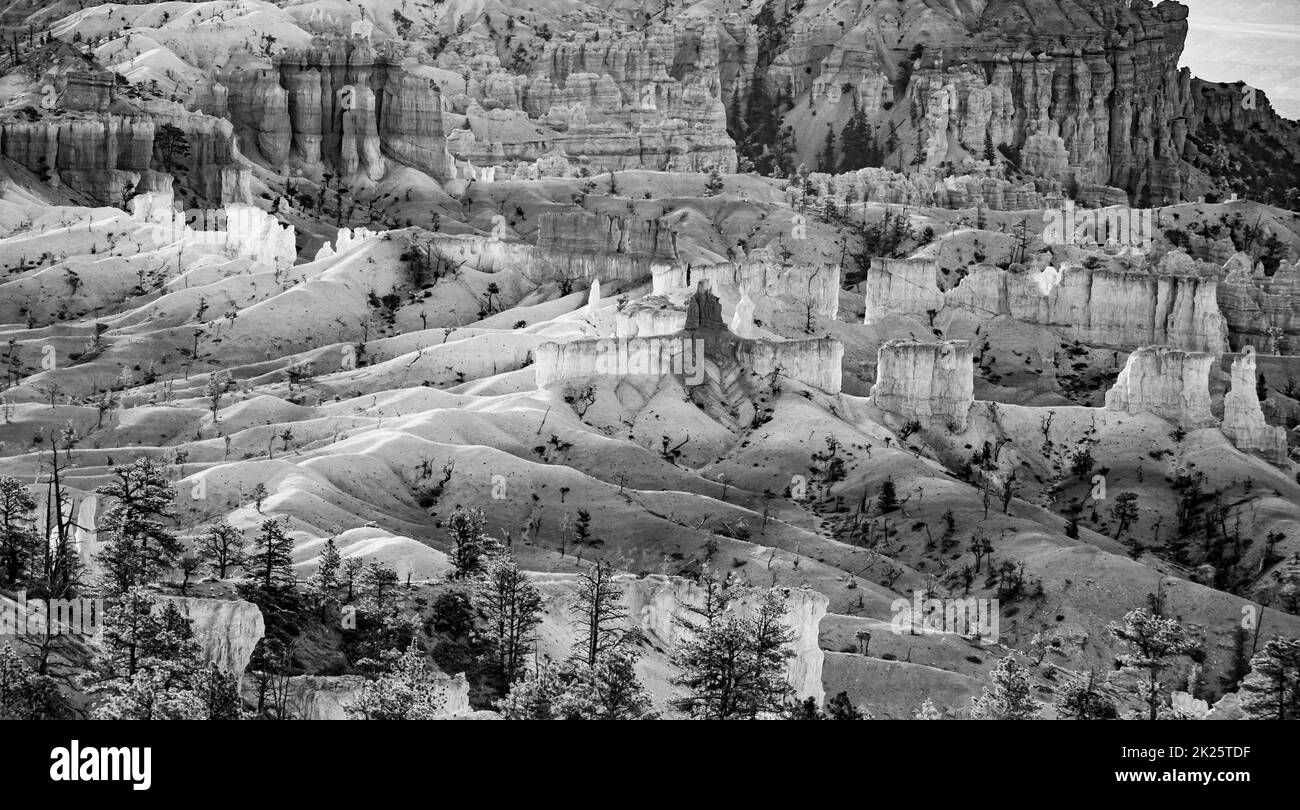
338	105
618	98
932	383
227	630
702	351
1262	311
109	157
762	275
1243	418
1170	383
326	697
902	287
1099	307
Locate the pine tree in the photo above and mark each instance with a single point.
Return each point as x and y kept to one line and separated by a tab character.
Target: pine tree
841	708
888	500
1155	642
731	666
325	579
406	689
1080	700
222	548
826	158
713	183
512	607
598	613
141	549
1008	696
25	694
1272	689
271	563
990	154
19	540
471	545
928	711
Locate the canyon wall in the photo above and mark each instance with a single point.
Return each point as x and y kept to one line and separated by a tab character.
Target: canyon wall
902	287
109	157
615	97
339	105
932	383
588	232
1262	311
540	265
1170	383
817	363
1120	309
818	285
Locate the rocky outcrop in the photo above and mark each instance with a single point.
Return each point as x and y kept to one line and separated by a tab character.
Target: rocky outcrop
1120	309
326	697
540	265
931	383
902	287
1101	307
587	232
236	229
339	105
759	275
613	97
109	156
1170	383
1243	418
227	630
1262	311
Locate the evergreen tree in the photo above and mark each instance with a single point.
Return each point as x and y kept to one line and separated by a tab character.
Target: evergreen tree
406	689
25	694
1080	700
733	667
140	549
1008	696
1154	643
512	607
19	540
271	563
222	548
599	613
826	158
841	708
1272	689
471	545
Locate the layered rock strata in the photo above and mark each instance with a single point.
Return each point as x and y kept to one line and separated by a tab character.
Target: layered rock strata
1170	383
931	383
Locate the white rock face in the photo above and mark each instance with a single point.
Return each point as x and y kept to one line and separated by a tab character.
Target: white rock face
902	287
817	363
1100	307
1243	418
1170	383
759	275
227	630
933	383
742	320
326	697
